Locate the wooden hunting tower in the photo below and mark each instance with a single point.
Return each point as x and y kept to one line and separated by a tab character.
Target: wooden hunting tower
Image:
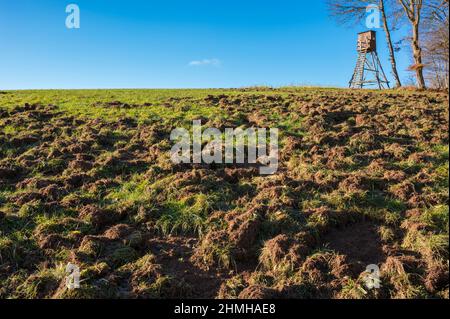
367	41
368	70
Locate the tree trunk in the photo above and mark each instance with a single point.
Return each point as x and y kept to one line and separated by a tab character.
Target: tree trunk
417	53
387	31
413	10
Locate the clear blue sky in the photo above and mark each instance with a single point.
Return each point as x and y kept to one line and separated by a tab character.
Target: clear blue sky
154	44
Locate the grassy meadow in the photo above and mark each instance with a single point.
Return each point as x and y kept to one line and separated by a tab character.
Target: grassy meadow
86	178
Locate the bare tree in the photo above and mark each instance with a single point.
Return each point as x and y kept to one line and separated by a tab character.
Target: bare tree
387	31
413	11
350	11
436	44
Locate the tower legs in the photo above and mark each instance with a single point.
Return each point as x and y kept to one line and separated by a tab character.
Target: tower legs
368	71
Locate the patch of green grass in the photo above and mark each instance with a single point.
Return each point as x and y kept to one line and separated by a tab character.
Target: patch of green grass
11	130
133	192
57	225
50	166
186	216
39	285
437	218
353	290
122	255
